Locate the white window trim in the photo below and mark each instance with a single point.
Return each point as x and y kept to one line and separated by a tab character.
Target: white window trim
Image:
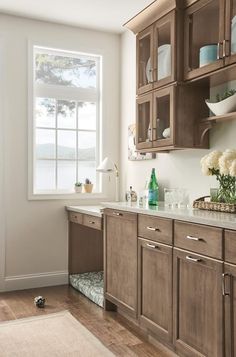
72	94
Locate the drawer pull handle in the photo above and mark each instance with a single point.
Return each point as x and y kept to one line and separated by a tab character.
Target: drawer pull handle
154	229
223	284
118	214
196	260
151	246
193	238
91	222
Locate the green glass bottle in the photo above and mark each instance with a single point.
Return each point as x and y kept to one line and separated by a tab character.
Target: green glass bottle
153	190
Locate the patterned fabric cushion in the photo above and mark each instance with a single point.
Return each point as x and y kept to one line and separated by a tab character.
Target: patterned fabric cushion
90	284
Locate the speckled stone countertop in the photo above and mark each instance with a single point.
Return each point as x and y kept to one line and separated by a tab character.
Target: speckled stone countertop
216	219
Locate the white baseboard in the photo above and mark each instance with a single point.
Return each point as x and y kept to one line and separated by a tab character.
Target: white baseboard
30	281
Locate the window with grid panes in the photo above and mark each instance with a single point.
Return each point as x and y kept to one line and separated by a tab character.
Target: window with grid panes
66	120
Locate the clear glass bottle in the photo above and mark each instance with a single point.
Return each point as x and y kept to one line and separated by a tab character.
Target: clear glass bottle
153	190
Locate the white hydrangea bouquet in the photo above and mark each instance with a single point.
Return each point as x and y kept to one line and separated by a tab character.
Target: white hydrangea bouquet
223	166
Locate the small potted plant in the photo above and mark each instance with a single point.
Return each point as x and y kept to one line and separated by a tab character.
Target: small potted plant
78	187
88	186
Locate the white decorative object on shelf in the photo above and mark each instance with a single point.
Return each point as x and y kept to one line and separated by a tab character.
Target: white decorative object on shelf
225	106
163	63
166	133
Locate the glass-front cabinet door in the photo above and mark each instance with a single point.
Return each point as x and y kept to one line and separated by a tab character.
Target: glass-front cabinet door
163	117
229	43
144	130
203	37
164	50
144	63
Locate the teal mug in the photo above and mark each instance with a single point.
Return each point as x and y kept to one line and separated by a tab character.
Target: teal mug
208	54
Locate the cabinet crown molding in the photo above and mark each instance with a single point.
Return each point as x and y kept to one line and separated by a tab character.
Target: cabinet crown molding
151	13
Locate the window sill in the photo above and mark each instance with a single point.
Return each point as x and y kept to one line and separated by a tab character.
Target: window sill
67	196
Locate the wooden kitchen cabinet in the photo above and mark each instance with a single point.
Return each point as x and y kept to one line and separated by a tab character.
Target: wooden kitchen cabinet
155	288
209	22
168	118
203	25
156	54
121	260
229	291
198	305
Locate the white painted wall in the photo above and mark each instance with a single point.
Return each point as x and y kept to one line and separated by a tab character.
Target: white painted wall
35	232
174	169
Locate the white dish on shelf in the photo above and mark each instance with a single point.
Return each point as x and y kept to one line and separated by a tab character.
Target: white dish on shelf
163	63
233	35
225	106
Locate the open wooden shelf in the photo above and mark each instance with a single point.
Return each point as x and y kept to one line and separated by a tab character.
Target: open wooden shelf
219	118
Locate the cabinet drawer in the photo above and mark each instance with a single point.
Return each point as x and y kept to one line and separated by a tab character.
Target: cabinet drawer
120	214
198	238
230	246
75	217
92	221
155	228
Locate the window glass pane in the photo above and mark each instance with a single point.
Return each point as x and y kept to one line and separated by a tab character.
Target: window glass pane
66	174
87	115
66	117
45	175
45	144
66	144
65	70
87	169
45	112
86	145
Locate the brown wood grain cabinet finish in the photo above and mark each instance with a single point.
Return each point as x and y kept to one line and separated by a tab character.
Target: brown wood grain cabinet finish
199	238
230	309
85	249
155	288
75	217
155	228
92	221
230	246
121	259
198	305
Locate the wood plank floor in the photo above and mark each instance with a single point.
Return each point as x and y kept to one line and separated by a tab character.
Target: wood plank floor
111	329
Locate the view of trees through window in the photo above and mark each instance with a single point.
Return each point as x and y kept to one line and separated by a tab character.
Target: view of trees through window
66	123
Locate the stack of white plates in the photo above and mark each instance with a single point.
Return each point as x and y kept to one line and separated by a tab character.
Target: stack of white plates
163	63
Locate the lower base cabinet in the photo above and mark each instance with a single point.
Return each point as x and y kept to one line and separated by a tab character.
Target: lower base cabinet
198	305
155	288
229	291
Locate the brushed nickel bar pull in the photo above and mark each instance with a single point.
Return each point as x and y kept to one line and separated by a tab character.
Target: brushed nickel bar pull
224	293
196	260
155	229
151	245
118	214
91	222
218	50
193	238
225	50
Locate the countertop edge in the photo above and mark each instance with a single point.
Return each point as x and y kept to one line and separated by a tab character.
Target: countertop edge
88	210
216	219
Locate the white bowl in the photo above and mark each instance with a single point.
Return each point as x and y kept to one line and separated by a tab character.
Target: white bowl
225	106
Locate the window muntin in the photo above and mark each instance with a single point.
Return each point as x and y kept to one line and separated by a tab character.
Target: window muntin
66	121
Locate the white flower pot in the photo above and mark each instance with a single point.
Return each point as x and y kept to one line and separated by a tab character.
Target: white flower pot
78	189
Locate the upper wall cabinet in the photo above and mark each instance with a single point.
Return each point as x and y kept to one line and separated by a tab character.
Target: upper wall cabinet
203	39
156	54
230	32
159	35
209	37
